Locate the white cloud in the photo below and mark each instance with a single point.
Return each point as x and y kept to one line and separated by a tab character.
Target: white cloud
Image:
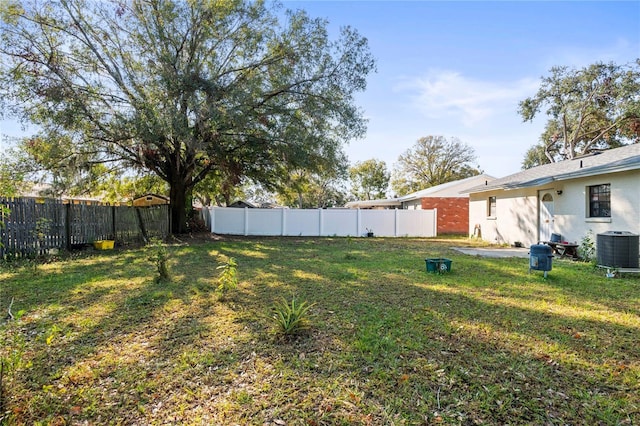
449	94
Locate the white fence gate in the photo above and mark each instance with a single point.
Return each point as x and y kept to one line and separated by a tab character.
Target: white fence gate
323	222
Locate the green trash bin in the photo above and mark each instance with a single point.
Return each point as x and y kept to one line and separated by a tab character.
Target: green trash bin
439	265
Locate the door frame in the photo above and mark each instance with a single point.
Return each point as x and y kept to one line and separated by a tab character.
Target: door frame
546	214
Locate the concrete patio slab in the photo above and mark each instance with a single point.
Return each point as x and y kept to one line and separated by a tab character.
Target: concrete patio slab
494	252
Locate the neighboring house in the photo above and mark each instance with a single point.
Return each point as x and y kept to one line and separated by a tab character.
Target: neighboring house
382	204
449	199
150	200
592	193
243	204
45	190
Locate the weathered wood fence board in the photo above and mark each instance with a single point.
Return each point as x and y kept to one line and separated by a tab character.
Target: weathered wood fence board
154	221
33	226
88	223
128	225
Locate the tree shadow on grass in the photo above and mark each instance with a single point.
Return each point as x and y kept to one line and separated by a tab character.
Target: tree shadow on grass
389	342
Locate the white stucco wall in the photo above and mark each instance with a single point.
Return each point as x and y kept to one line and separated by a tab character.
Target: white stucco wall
515	219
572	206
516	216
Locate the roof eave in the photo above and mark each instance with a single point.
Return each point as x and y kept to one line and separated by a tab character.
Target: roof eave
591	171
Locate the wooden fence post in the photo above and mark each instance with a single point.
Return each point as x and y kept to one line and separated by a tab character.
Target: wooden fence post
141	223
67	225
113	222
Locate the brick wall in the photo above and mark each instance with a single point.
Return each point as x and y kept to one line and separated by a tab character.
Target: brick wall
453	214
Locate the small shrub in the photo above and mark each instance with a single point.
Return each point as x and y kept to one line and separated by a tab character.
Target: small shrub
195	224
291	318
160	257
587	248
228	278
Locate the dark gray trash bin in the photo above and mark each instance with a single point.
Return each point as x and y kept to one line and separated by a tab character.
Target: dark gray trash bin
540	258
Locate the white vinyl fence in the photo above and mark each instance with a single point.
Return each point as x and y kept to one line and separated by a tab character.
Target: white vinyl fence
323	222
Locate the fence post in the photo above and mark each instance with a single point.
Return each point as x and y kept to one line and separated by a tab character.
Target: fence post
141	223
3	216
113	222
67	225
246	221
396	224
435	222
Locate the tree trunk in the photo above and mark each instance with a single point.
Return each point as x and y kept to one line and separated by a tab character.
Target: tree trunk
179	197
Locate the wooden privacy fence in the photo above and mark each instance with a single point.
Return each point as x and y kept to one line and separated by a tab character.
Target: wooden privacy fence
33	226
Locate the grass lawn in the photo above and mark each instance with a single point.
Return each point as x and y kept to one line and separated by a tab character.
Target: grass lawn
97	340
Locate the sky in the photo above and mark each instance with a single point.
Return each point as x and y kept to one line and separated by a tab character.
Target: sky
459	69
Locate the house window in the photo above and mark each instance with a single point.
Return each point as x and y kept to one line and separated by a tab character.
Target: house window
600	200
491	207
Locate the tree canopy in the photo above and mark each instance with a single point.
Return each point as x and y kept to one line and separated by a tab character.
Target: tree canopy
589	109
313	190
369	179
182	89
433	160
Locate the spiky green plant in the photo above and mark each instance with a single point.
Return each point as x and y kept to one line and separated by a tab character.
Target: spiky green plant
228	278
291	318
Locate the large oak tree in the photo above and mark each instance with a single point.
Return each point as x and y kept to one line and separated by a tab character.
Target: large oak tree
182	88
593	108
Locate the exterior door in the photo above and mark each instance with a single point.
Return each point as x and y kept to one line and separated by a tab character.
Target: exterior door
545	221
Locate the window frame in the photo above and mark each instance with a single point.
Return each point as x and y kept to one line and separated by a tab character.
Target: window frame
599	201
492	203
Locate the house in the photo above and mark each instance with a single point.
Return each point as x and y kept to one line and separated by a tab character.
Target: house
150	200
450	200
243	204
575	198
41	191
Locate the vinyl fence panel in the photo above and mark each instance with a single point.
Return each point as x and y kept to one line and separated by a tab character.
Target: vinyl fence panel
228	221
263	221
321	222
415	222
381	222
301	222
340	222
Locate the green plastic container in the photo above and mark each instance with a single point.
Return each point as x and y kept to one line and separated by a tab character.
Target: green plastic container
439	265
